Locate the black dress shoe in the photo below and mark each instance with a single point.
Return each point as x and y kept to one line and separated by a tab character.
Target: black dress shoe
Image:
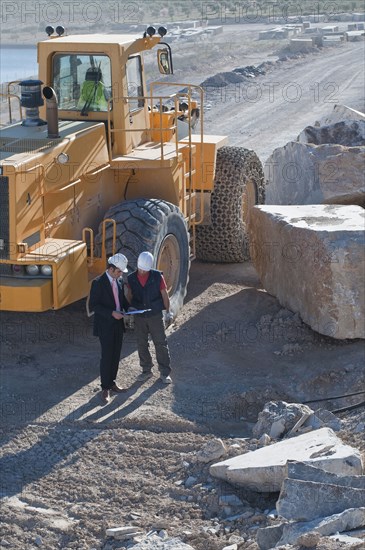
105	397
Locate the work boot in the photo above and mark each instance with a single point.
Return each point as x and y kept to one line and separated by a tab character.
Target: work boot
144	376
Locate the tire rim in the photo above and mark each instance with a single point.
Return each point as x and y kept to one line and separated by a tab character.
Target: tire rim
249	199
168	261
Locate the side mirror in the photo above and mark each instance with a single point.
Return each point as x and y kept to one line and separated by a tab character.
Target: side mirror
164	61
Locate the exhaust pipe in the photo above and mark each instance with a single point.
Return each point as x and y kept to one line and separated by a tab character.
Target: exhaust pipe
51	111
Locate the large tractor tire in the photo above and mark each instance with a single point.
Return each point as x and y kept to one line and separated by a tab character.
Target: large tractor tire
158	227
238	186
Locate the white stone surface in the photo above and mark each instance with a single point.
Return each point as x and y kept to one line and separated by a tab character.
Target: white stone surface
263	470
312	258
304	173
339	113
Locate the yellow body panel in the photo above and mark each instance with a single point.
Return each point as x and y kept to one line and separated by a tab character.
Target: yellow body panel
26	295
206	156
69	282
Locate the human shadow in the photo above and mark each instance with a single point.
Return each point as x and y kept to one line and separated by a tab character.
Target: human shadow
116	409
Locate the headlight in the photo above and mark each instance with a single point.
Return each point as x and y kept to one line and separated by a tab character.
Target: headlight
46	270
17	268
32	269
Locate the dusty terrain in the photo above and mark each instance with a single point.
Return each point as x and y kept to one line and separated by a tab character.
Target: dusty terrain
72	468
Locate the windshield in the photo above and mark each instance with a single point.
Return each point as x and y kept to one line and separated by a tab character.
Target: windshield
82	82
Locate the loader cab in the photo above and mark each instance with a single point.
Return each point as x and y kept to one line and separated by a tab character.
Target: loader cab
100	80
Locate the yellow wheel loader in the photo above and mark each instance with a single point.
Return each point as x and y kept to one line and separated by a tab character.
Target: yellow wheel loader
99	164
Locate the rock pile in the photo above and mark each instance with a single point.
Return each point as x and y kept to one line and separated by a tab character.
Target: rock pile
321	481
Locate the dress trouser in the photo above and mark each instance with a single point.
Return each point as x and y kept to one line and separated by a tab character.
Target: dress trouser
154	326
111	340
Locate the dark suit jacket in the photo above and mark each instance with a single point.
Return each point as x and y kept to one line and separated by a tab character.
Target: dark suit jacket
103	304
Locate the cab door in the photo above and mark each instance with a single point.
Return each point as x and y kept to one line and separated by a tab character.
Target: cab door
137	115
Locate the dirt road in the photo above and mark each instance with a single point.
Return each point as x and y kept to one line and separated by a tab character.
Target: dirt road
274	108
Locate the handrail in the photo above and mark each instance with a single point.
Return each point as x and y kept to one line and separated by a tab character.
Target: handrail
103	251
9	98
201	122
91	236
175	97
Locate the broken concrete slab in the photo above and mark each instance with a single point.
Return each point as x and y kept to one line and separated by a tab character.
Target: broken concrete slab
302	173
322	417
307	472
306	500
337	523
278	417
312	259
127	530
264	470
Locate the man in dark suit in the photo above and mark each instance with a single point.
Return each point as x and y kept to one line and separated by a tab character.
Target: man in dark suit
107	301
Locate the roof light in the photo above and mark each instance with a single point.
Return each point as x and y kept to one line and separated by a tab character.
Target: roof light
151	31
60	30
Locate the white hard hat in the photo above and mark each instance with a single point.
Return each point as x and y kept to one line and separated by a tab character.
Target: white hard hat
120	261
145	261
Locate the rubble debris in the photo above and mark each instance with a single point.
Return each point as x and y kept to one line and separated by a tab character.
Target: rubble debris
311	258
154	542
263	470
278	417
240	74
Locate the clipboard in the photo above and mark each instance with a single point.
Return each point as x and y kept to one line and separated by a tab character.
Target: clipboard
136	311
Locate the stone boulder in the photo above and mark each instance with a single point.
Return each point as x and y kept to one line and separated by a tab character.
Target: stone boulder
302	173
312	259
264	470
346	132
307	500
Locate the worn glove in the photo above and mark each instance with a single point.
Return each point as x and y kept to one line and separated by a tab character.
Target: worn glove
169	318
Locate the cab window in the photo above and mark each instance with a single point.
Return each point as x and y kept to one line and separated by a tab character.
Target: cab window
82	82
